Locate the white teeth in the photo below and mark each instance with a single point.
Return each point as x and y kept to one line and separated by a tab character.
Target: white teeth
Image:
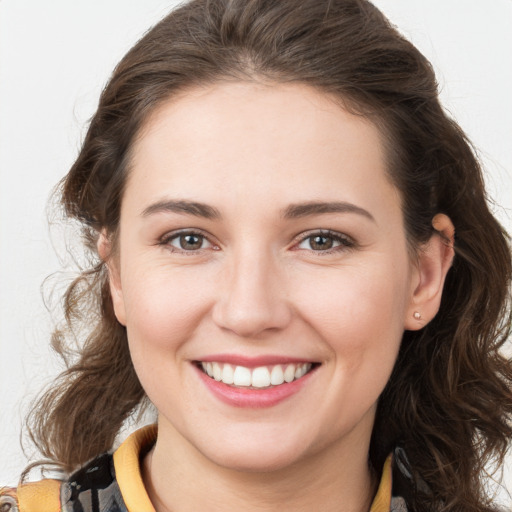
242	376
305	368
261	377
301	371
277	375
227	374
217	371
289	373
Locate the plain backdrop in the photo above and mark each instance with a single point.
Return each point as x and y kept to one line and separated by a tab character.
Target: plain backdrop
56	56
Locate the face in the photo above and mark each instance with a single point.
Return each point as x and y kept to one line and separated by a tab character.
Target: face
262	274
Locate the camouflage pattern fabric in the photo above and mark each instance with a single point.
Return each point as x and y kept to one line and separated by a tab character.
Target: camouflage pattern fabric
94	488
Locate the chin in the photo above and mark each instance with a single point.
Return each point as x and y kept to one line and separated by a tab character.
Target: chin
262	452
254	461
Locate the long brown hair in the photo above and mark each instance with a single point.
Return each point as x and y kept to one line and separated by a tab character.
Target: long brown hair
447	409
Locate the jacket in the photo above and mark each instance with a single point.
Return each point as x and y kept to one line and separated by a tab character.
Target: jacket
113	483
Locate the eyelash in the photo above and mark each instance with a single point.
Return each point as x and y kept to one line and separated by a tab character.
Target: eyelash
176	235
344	242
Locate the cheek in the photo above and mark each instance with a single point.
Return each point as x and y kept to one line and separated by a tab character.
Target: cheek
163	307
341	299
359	316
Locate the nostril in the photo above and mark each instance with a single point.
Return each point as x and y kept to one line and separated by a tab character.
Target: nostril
250	320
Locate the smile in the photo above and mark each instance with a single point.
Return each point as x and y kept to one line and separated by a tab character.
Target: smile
261	377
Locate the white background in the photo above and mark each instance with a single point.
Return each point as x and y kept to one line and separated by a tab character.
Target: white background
55	57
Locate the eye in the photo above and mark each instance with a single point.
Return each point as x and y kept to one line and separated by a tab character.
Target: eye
325	241
188	241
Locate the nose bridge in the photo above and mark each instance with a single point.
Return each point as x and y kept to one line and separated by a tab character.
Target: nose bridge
253	296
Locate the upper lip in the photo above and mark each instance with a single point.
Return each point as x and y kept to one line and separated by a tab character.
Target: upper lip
252	362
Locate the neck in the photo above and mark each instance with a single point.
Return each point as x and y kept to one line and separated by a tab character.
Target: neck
179	478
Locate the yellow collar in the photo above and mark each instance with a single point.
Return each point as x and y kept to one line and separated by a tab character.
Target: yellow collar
129	479
127	466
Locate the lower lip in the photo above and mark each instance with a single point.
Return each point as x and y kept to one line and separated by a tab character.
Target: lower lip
253	398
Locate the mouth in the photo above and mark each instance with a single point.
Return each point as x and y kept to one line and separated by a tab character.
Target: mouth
261	377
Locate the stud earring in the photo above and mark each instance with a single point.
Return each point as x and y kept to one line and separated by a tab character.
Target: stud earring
417	315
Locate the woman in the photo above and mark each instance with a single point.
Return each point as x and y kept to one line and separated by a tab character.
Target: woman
296	266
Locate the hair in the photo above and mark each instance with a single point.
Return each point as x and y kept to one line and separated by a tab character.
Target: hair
447	408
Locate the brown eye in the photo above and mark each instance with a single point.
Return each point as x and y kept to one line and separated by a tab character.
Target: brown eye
189	242
325	241
321	242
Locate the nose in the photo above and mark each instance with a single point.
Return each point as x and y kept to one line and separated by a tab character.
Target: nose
252	298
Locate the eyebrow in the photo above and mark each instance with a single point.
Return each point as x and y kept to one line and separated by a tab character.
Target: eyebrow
299	210
186	207
293	211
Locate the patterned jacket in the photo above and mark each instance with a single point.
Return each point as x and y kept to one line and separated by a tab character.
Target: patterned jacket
113	483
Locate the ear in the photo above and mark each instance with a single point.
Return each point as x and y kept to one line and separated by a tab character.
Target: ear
434	260
104	246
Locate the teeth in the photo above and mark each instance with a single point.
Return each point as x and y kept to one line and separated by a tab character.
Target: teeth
289	373
228	374
277	375
301	371
217	371
242	376
261	377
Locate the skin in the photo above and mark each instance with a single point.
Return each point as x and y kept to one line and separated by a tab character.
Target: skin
255	285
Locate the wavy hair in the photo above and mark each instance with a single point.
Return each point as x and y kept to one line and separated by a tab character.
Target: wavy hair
447	408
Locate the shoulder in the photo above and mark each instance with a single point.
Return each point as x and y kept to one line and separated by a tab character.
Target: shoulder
110	483
42	496
92	486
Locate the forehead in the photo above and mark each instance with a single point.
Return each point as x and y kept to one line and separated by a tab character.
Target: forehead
271	142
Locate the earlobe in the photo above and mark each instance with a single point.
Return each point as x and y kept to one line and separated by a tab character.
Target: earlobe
434	261
104	246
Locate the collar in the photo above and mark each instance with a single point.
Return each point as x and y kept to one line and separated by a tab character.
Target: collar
127	468
129	478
